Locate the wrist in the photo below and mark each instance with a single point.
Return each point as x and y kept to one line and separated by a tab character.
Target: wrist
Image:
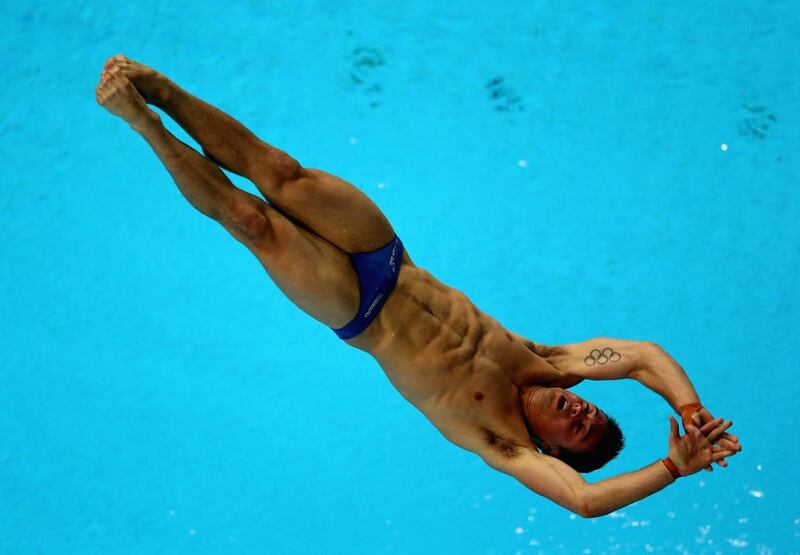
688	409
673	470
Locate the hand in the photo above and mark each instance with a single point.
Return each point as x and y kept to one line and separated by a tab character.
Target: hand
727	441
694	450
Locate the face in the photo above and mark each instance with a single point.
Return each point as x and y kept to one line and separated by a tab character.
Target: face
563	419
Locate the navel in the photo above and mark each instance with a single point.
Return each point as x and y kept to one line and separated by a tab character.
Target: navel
478	396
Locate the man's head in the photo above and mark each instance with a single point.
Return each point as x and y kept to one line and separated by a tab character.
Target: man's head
570	428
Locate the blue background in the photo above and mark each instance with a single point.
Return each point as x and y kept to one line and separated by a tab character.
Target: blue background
159	395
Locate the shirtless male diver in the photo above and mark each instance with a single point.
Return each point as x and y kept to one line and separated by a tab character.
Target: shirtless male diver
330	249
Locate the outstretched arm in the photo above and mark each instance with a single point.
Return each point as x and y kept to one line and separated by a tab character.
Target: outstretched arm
654	368
560	483
604	358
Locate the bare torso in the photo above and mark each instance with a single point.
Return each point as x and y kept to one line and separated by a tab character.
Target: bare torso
456	364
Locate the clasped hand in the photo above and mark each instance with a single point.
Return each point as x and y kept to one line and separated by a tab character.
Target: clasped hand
705	442
728	442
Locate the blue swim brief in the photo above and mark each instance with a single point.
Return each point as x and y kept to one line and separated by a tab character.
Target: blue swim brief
377	273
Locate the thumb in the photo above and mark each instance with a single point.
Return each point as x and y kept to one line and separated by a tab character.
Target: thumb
673	432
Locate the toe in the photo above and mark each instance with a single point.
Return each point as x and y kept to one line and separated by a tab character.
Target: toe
113	61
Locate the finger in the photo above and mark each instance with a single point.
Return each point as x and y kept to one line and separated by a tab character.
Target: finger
731	446
673	428
722	461
708	426
702	416
695	432
720	449
711	425
713	435
731	437
719	455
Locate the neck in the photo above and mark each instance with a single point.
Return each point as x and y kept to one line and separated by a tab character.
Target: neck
526	404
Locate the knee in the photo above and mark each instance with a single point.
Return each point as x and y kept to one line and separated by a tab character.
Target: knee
274	170
249	220
287	169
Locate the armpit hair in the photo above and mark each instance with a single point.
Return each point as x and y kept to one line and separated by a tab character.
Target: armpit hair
505	447
544	351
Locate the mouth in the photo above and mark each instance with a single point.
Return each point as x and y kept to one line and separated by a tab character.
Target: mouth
562	402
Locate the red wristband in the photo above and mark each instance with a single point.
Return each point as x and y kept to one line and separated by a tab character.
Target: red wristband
689	408
672	468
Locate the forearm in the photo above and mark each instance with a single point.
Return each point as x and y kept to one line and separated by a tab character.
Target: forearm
662	374
613	493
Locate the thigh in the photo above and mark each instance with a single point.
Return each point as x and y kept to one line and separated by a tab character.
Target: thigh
314	274
332	208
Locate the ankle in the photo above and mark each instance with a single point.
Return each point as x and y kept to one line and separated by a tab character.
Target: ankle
164	93
148	122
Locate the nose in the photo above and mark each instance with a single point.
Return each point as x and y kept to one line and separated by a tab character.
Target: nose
576	408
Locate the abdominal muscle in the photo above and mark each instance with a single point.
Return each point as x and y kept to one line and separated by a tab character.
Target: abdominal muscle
444	355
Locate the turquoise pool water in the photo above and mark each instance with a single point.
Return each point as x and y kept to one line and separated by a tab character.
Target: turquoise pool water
561	163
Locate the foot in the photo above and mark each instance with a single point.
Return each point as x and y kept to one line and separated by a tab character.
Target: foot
118	95
151	84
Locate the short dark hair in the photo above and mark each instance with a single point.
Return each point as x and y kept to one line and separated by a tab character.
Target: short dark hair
609	446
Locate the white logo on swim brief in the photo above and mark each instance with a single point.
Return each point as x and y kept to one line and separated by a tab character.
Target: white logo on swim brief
378	298
391	258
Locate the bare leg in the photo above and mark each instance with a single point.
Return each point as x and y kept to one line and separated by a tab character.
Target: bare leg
316	276
329	206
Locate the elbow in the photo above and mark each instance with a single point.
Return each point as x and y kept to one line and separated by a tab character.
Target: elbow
648	355
589	507
584	507
650	347
586	512
589	511
594	512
